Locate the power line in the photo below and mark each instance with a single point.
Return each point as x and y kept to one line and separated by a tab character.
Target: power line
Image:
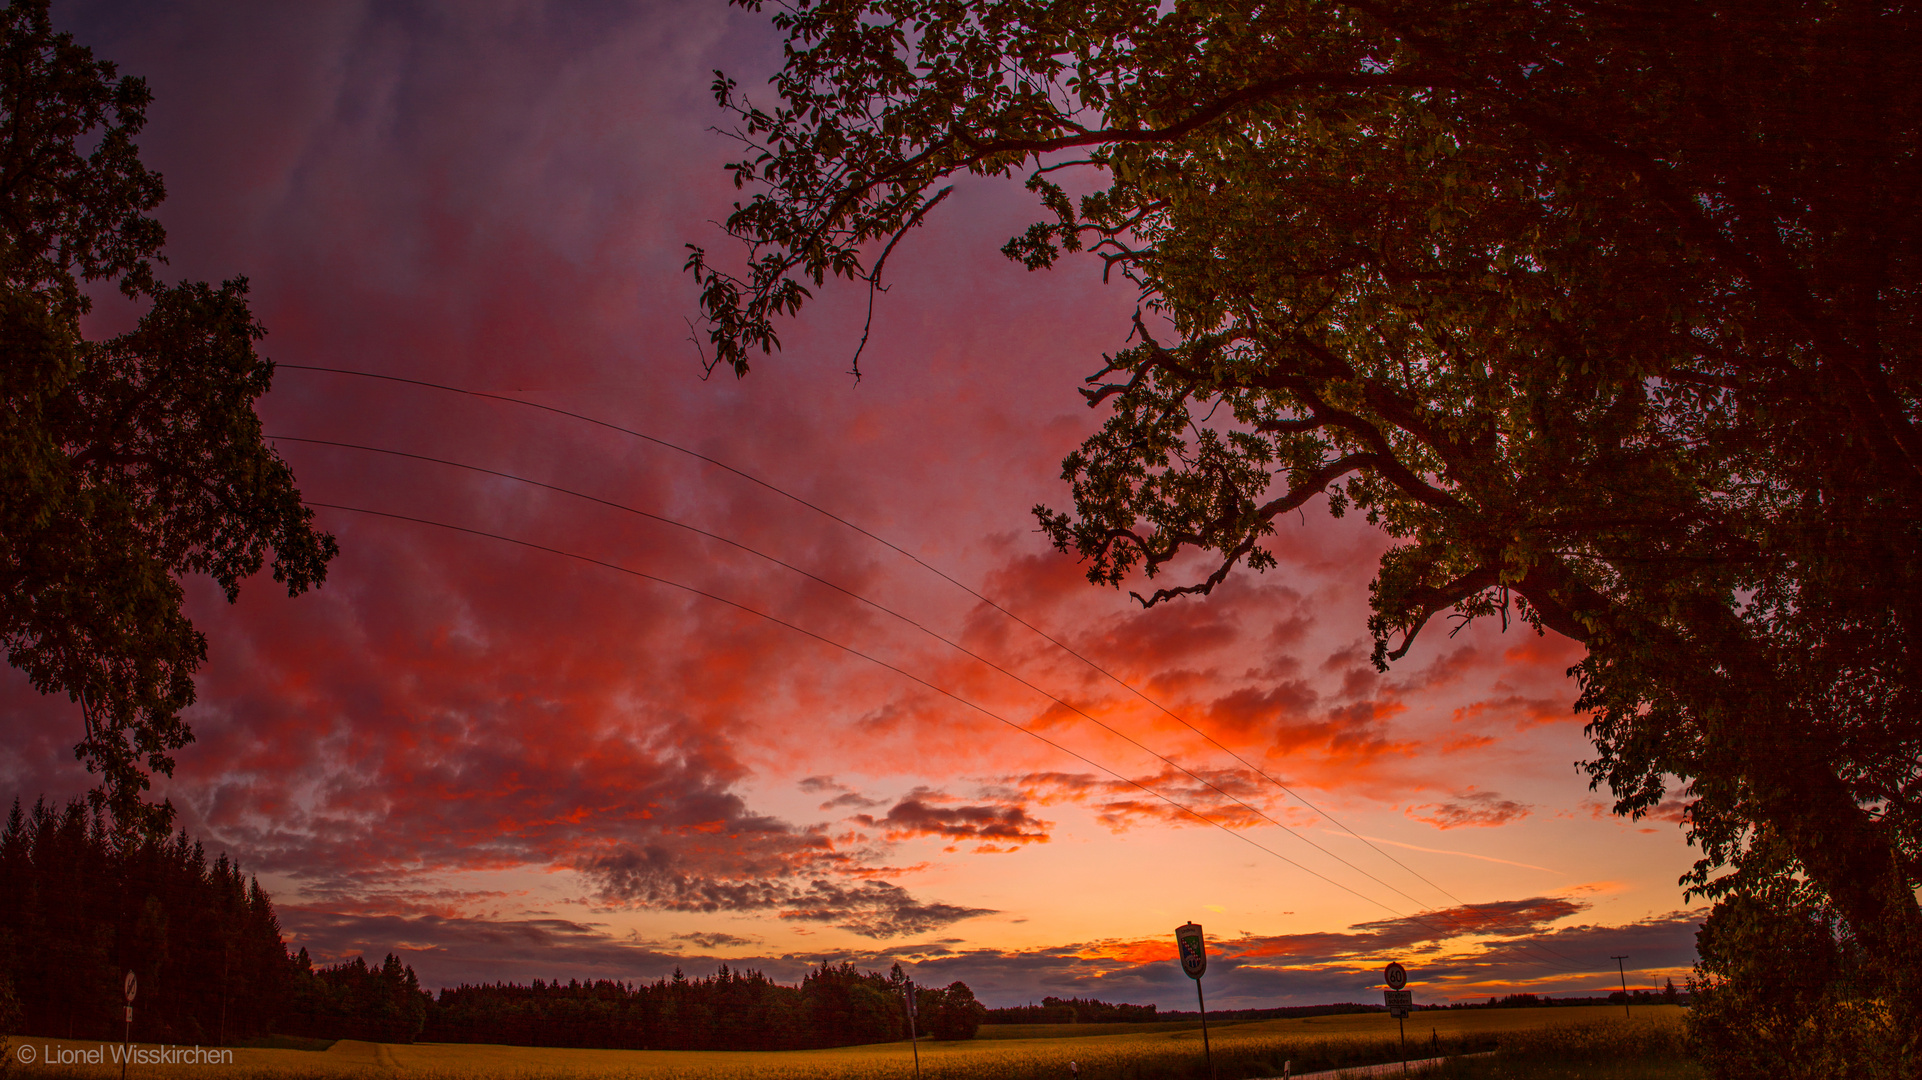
1184	808
905	553
937	636
1044	635
958	647
852	651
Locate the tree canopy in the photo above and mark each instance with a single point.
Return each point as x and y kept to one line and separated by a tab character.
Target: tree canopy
129	462
1606	314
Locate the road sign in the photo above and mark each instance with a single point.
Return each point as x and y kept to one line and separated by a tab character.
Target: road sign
129	986
1194	955
1399	1002
1397	976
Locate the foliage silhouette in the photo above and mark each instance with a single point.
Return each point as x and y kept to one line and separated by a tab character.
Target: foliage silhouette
1607	315
125	463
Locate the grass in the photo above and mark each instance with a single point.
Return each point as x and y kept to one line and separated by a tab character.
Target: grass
288	1042
1082	1031
1616	1050
1533	1042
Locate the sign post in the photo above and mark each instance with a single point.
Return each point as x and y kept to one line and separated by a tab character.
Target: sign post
914	1039
1399	1001
1194	961
129	986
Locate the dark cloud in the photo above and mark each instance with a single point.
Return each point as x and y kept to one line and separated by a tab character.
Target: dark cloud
1237	798
1260	972
1509	918
1515	709
652	877
1000	826
874	909
1672	810
714	940
448	951
1243	972
1479	809
846	796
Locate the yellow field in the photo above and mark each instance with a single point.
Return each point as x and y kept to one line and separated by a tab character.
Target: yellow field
1129	1054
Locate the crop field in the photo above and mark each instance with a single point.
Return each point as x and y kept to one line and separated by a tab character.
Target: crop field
1241	1050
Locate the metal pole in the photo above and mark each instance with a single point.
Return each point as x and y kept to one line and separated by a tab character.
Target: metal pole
1402	1022
1623	972
914	1039
1207	1054
128	986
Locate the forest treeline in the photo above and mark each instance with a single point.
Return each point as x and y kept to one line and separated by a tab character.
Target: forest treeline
1054	1010
833	1006
82	903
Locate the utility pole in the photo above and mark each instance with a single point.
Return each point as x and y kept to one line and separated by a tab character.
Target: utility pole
1623	972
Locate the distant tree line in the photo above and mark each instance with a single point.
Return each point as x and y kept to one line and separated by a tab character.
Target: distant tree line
1284	1012
83	902
1054	1010
1668	995
833	1006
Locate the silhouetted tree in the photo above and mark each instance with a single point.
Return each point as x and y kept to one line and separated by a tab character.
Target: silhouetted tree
1608	315
1773	995
951	1013
125	463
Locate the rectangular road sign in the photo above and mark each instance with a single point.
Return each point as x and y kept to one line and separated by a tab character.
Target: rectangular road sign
1398	999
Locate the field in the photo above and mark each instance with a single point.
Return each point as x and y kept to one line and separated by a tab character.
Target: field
1533	1041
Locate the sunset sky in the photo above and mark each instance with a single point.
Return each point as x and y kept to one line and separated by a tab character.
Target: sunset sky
504	762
